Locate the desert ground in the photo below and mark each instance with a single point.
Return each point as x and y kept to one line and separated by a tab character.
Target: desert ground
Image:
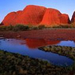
51	34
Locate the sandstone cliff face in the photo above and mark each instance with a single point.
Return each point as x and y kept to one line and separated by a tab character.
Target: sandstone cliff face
8	20
31	15
65	19
18	13
73	18
36	15
51	17
54	17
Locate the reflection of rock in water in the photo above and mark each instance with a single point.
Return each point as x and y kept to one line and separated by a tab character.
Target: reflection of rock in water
32	43
35	43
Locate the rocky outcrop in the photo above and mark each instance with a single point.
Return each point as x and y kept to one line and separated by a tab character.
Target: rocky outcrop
73	18
31	15
65	19
8	20
54	17
36	15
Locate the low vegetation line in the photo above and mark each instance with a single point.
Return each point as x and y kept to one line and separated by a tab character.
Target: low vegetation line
62	50
16	64
20	27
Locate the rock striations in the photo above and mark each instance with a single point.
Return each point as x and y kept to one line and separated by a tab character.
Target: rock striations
54	17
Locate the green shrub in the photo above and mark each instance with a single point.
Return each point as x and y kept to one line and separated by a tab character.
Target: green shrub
2	28
41	26
20	27
9	27
33	28
62	26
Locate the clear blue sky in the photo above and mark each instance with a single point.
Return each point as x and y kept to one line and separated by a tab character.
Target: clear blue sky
65	6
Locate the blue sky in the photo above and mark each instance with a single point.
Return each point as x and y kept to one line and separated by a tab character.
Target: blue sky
64	6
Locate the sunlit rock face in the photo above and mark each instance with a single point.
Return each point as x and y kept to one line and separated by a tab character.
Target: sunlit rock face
8	20
65	19
53	17
31	15
36	15
73	18
36	43
18	13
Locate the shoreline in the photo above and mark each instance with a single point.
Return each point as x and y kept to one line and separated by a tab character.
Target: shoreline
16	64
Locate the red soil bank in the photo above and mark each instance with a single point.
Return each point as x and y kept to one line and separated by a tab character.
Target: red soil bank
73	18
36	15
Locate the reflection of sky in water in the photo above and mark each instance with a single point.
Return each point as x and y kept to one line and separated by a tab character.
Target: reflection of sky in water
19	46
67	43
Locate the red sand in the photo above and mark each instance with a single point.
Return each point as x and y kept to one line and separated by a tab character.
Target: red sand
51	34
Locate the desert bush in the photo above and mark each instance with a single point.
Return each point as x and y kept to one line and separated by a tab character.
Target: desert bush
33	28
27	66
10	27
2	28
14	28
41	26
20	27
61	26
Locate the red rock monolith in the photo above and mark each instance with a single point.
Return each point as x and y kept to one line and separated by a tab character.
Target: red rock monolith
73	18
54	17
33	15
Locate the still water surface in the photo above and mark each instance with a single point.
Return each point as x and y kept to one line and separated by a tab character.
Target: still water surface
30	47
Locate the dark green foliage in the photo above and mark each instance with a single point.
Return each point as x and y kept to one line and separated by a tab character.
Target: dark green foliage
33	28
41	26
2	28
62	26
16	64
14	28
20	27
62	50
9	28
